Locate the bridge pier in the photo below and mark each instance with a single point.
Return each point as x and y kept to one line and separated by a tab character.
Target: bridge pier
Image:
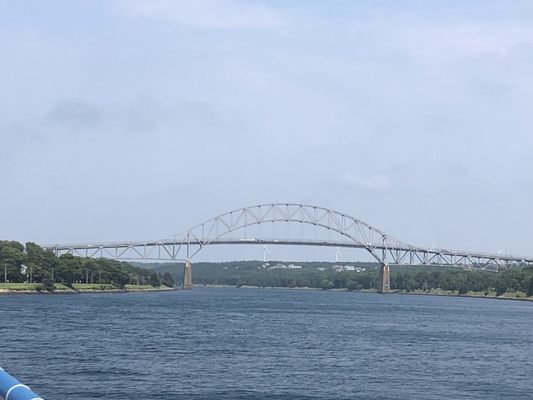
384	279
187	275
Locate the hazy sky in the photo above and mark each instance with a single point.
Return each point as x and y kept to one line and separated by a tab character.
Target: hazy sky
125	120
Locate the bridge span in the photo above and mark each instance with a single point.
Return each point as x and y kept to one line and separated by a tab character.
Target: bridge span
231	227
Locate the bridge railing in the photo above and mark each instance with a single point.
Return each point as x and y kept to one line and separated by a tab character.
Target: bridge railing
175	250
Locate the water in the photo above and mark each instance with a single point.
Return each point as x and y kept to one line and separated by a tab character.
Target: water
267	344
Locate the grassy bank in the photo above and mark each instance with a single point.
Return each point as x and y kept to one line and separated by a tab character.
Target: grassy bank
515	295
16	287
59	288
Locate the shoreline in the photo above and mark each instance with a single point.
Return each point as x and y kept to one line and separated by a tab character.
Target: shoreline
7	292
437	294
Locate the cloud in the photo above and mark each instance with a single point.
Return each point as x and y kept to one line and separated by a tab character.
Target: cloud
376	183
217	14
437	41
182	118
75	113
142	115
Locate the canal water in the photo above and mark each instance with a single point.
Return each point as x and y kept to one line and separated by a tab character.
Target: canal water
267	344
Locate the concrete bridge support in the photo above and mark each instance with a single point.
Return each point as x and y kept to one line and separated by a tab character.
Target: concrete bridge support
384	279
187	275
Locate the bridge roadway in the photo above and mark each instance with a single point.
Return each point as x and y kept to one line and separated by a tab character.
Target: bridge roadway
353	233
171	250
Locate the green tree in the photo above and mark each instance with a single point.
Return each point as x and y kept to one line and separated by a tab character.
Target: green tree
529	291
12	258
167	280
500	286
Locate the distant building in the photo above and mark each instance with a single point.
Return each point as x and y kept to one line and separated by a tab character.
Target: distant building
347	268
283	266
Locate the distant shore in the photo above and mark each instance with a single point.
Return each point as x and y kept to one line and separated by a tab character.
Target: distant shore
433	292
37	289
24	289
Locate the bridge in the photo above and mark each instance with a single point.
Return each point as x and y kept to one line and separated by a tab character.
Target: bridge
315	226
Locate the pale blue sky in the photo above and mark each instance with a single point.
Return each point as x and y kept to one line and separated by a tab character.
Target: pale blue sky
124	120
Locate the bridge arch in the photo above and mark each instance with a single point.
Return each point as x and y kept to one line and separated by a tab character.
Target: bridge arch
360	233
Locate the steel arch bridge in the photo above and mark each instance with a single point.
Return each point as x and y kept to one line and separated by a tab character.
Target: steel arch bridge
349	232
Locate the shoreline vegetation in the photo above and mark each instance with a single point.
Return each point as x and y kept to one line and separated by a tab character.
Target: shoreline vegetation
514	283
31	269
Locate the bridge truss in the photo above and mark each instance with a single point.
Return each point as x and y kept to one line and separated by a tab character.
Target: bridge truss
337	230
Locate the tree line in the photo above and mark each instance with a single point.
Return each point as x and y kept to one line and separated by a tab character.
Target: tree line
325	275
33	264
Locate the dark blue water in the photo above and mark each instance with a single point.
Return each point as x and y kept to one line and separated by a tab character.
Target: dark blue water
268	344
